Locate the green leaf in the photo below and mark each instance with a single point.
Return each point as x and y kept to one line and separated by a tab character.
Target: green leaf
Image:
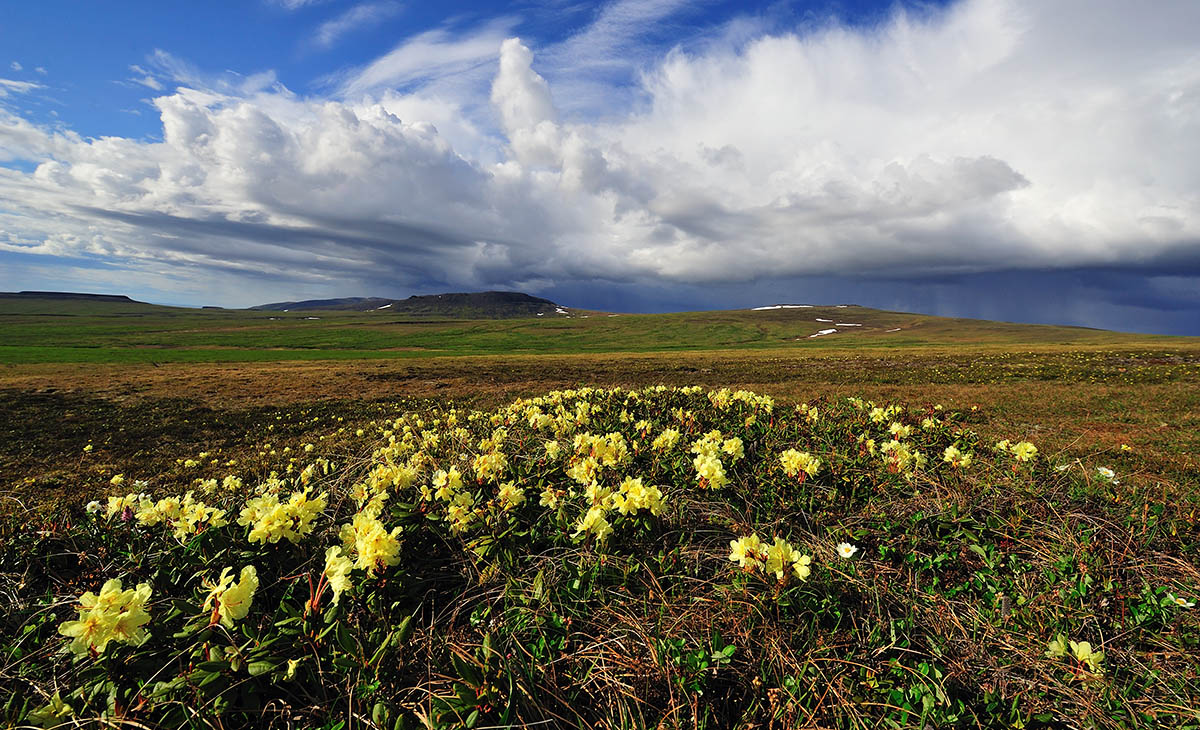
383	645
466	671
345	663
260	667
346	640
379	713
539	586
404	631
213	666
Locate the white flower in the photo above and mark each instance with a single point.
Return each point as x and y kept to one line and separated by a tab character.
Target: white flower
93	507
846	550
1181	602
1105	472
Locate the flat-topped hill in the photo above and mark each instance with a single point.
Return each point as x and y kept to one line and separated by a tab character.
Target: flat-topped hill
464	305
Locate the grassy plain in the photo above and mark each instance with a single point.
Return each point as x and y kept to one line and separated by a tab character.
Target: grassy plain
84	332
943	619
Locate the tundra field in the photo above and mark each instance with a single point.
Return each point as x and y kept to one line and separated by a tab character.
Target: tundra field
220	519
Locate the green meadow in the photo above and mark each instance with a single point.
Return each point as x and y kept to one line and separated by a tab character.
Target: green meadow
69	331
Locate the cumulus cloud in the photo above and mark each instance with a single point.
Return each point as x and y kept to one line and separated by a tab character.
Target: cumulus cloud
15	66
991	136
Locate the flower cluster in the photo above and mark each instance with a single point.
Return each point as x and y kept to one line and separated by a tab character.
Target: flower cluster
956	458
337	572
666	440
1022	451
779	558
490	466
270	520
709	450
187	516
799	463
1082	651
125	506
230	601
373	547
633	496
114	615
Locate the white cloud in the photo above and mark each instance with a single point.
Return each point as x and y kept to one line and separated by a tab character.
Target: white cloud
145	78
12	86
41	70
363	14
296	4
997	134
166	66
428	56
15	66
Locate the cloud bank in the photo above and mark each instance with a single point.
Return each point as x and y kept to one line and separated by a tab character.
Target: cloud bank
989	137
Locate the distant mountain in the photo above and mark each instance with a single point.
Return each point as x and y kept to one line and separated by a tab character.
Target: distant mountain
353	304
478	305
68	295
69	303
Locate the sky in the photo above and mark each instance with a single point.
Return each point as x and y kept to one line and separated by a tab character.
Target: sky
1018	160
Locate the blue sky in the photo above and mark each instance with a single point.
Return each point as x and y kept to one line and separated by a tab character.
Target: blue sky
87	52
1008	159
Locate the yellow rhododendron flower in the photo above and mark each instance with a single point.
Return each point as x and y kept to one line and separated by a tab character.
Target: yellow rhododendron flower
594	523
1057	648
194	516
123	507
113	615
1024	451
954	457
797	462
633	495
781	556
549	498
270	520
666	440
1085	655
230	601
747	551
370	542
584	470
446	483
510	495
337	572
710	472
490	466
